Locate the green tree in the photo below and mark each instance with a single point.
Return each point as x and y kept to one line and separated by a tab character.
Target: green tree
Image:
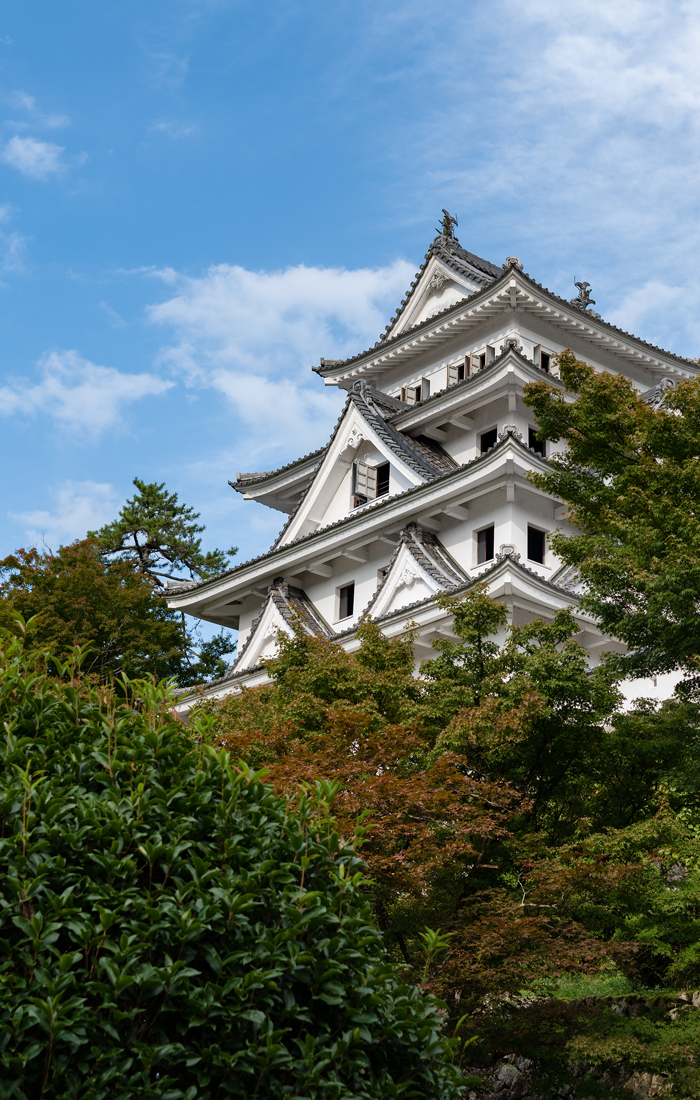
508	803
79	599
171	928
159	535
631	479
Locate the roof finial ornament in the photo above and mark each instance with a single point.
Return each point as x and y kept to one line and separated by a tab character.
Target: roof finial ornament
584	299
448	223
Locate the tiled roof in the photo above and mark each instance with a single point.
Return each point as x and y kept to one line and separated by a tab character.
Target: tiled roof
386	342
430	554
379	503
453	255
429	461
454	590
457	589
244	480
656	396
292	603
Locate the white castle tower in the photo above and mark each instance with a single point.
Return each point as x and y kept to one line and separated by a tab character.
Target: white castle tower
422	487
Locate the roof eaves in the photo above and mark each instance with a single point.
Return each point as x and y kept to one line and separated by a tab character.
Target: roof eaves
379	503
244	480
474	299
456	589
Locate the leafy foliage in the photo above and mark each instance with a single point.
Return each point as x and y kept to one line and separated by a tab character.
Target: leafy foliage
156	532
78	599
505	802
171	928
631	479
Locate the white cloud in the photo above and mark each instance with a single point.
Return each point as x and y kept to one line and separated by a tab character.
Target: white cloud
37	159
78	507
253	336
77	394
570	134
24	102
174	129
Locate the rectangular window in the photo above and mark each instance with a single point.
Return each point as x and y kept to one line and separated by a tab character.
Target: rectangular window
478	361
537	445
411	394
535	545
456	372
541	358
484	545
488	440
383	472
490	354
369	482
346	600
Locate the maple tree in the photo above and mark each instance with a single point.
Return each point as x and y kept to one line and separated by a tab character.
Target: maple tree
505	802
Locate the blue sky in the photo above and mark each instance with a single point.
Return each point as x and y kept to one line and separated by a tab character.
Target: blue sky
198	200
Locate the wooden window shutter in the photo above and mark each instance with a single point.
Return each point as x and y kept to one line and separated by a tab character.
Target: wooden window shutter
366	481
452	374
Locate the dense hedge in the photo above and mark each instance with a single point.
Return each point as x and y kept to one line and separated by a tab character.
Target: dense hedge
171	928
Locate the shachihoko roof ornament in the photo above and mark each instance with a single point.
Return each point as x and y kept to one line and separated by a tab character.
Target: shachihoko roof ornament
584	299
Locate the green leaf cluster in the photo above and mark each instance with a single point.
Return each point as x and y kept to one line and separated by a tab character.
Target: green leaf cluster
630	475
158	534
171	928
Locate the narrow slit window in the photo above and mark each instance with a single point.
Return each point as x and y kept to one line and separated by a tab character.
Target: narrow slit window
346	600
535	544
545	358
537	445
488	440
484	545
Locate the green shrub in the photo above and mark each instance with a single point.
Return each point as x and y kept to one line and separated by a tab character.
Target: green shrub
171	928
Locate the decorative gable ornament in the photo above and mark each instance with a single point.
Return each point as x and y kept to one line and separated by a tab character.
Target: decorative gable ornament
510	429
408	578
512	342
437	281
354	438
507	550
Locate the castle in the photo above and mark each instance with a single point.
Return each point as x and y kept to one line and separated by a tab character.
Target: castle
423	485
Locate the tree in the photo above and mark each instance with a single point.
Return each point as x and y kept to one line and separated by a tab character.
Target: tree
631	479
79	599
159	536
171	928
506	802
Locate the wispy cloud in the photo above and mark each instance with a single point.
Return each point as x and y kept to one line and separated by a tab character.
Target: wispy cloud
78	507
253	336
33	158
570	137
22	101
78	395
174	129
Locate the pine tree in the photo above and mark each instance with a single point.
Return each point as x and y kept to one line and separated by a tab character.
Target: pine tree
160	536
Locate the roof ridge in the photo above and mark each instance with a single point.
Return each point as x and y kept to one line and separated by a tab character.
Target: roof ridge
389	341
378	503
